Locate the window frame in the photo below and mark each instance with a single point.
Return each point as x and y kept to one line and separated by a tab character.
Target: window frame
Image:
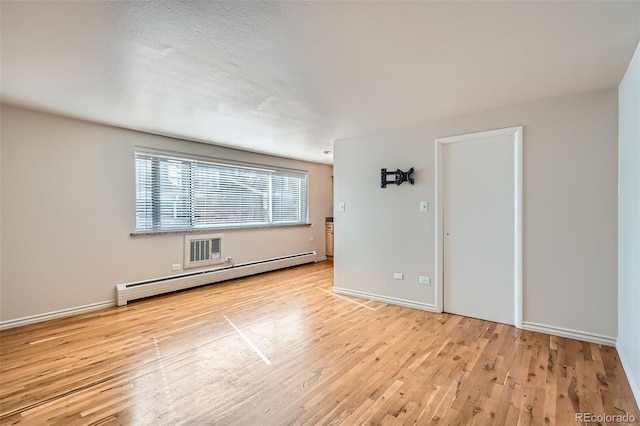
195	160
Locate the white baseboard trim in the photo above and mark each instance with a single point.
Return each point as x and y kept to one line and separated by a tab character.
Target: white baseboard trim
386	299
635	386
321	259
56	314
571	334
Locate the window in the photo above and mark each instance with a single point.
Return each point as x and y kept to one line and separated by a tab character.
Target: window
181	192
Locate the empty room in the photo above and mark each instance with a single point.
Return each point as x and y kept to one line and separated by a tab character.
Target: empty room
319	212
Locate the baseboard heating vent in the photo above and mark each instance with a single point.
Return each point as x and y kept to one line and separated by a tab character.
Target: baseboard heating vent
142	289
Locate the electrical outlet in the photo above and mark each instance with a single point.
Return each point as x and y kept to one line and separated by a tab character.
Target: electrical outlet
175	267
424	280
398	276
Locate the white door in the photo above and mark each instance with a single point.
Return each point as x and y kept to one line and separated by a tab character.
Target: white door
479	227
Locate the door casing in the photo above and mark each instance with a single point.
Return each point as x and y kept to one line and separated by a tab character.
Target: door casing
516	134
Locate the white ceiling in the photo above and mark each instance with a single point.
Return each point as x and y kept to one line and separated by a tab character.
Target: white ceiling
288	78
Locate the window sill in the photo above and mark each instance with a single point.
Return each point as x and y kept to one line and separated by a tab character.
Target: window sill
231	228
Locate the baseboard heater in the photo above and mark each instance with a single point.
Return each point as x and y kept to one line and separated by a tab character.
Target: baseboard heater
142	289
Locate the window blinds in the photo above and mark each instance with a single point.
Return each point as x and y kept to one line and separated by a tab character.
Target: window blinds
181	192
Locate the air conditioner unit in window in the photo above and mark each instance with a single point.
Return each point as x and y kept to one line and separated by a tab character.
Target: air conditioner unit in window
202	250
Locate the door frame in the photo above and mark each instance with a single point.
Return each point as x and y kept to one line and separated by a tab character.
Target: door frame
516	134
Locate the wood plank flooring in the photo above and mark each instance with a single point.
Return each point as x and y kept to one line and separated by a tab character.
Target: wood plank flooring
193	358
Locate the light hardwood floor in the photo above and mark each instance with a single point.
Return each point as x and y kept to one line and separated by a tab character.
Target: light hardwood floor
181	359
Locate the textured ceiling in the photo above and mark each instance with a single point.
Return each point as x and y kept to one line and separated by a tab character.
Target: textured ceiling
288	78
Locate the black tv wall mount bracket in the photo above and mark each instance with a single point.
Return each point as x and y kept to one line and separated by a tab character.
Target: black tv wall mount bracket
399	177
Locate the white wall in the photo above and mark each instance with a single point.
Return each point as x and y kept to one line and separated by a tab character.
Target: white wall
570	219
68	209
629	224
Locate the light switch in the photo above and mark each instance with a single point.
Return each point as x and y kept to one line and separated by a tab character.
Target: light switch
341	207
424	206
398	276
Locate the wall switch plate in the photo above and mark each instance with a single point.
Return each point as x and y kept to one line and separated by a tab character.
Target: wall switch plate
424	206
424	280
175	267
341	207
398	276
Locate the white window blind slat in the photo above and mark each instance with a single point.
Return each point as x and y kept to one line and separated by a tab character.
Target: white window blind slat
175	192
